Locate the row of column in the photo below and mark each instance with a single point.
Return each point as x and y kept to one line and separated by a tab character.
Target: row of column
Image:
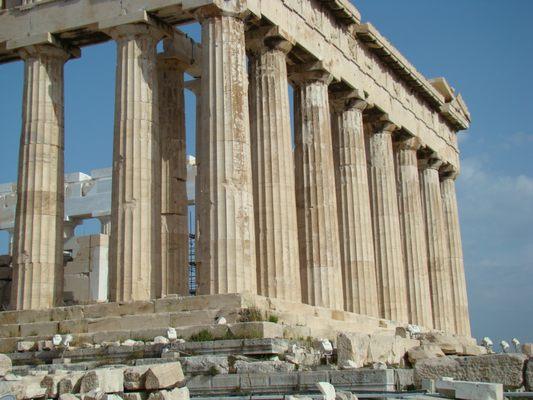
325	226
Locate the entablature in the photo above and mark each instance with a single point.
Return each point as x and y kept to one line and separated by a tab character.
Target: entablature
328	31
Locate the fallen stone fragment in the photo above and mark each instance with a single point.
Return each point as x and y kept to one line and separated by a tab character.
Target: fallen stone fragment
134	377
164	376
25	346
506	369
327	390
448	343
161	340
5	365
352	349
108	380
424	352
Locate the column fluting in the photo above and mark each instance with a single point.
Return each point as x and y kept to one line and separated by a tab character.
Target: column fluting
174	203
413	232
438	260
226	261
276	227
135	249
386	224
455	248
38	237
353	200
320	264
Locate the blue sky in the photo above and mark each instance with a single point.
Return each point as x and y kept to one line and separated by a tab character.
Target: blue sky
483	48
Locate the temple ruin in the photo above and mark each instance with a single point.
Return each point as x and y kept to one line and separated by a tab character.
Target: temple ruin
345	221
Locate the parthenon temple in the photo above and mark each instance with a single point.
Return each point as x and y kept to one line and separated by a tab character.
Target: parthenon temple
349	207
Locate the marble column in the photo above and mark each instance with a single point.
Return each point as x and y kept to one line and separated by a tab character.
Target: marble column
316	202
276	227
438	259
353	200
38	237
413	232
386	223
135	253
455	253
226	261
174	206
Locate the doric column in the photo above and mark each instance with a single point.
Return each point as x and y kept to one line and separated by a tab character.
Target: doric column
135	253
413	232
174	222
386	224
453	237
353	200
320	264
226	259
438	260
276	228
38	238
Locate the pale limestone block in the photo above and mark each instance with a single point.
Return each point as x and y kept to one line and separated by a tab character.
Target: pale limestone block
135	251
134	377
424	352
226	258
455	253
5	365
107	380
38	252
164	376
386	223
355	218
276	228
413	232
327	390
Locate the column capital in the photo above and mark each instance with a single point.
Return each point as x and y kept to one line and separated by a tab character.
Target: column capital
348	99
404	142
268	38
430	161
226	8
449	171
310	72
383	124
45	50
164	61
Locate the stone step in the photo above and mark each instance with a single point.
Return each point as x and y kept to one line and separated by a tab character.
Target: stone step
83	358
116	323
364	380
198	332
